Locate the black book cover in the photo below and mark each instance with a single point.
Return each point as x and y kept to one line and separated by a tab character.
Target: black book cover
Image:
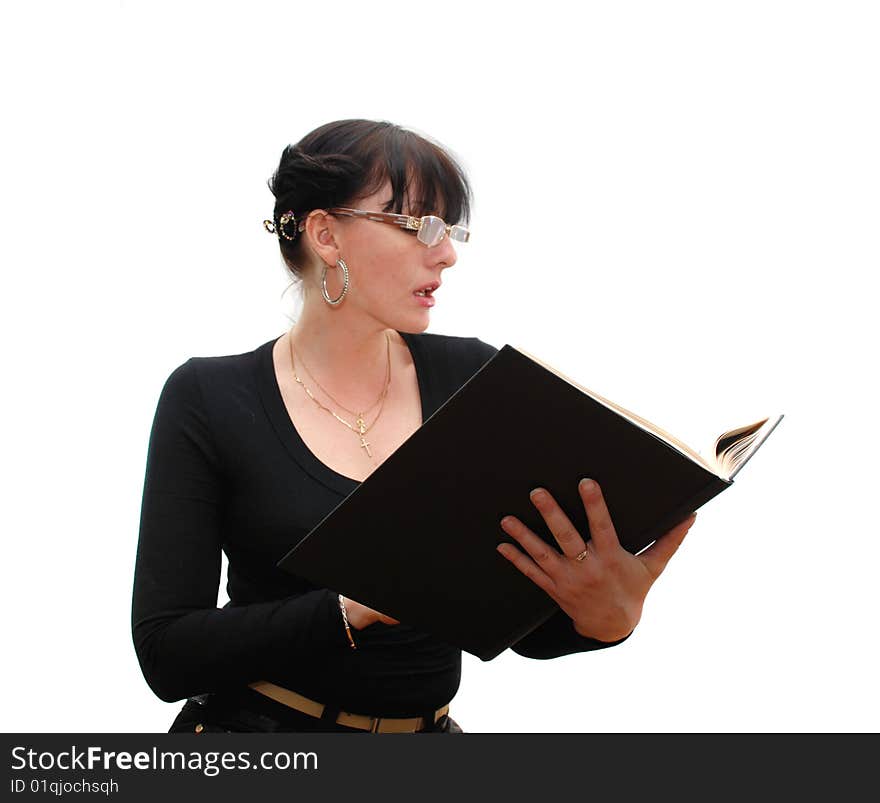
417	539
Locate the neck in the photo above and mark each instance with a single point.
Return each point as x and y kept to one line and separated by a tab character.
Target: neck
346	353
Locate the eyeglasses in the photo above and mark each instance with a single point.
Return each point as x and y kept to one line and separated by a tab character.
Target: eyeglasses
430	229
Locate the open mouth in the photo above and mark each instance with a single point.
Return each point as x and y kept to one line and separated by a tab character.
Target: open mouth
425	292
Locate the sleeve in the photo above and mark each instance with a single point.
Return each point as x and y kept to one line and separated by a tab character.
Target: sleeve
185	644
557	637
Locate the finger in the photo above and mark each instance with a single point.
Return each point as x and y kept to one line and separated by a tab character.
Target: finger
568	538
547	558
601	527
527	566
658	554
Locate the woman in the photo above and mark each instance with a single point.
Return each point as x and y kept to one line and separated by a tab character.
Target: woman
249	452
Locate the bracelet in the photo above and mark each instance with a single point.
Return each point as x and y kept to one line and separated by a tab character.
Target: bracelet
345	622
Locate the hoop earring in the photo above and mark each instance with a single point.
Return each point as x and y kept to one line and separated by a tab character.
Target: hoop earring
340	263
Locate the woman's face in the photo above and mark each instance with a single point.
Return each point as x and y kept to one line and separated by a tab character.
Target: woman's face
387	265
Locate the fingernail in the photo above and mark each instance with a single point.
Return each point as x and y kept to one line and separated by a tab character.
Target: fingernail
536	493
587	485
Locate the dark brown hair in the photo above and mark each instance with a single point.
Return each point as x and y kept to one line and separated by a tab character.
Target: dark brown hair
343	161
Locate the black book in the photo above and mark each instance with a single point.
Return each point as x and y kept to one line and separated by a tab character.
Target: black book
417	539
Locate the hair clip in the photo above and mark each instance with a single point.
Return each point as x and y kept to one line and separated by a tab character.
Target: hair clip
287	217
278	228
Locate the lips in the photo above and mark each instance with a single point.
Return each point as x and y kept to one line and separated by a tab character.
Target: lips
424	295
426	289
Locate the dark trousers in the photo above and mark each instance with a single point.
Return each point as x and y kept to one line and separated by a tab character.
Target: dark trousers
249	711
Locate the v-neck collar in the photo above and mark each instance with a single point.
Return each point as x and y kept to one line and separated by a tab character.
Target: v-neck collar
286	431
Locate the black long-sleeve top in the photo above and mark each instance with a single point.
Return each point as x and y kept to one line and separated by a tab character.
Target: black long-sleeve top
227	470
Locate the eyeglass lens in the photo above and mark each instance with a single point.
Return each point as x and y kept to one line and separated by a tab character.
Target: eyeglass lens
433	230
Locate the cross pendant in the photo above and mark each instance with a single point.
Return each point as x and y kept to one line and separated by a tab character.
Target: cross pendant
363	430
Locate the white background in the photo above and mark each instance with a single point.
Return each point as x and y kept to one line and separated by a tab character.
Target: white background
676	205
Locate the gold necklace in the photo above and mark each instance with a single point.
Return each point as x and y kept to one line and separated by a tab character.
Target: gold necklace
335	401
362	427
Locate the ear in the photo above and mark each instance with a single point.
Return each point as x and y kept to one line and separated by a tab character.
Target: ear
320	234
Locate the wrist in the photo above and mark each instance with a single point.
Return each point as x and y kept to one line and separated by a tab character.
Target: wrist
608	634
605	638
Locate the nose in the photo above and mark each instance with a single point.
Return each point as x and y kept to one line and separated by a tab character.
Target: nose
443	254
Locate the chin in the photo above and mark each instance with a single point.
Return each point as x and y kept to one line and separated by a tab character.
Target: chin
411	327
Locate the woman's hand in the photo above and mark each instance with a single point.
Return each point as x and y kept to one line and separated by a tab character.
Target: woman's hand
603	593
360	616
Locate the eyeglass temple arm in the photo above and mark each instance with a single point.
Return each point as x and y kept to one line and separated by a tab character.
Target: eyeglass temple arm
405	221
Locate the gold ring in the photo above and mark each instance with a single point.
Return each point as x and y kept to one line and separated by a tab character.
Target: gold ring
581	556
